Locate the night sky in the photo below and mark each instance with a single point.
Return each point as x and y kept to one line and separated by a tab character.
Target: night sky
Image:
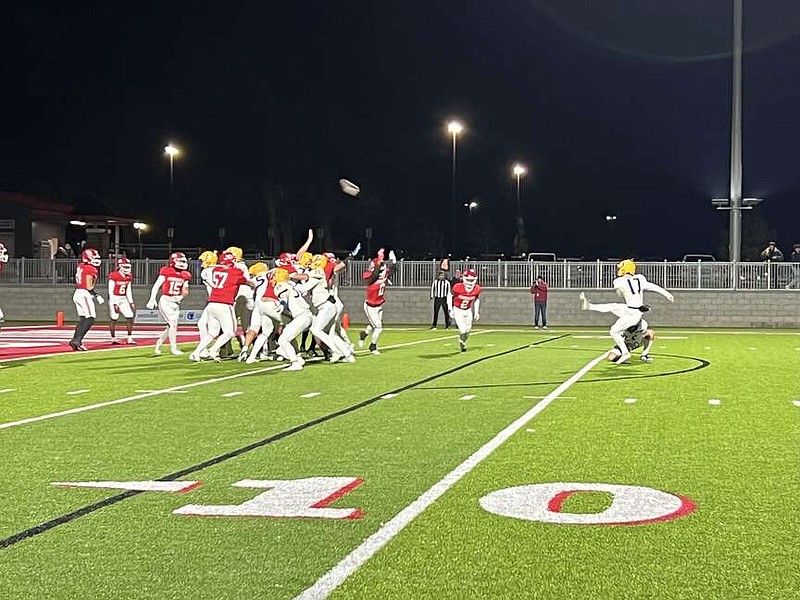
616	107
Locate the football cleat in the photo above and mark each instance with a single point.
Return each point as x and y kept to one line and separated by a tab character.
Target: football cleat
131	341
242	355
176	352
350	358
74	345
216	358
374	349
115	342
195	357
295	366
336	357
204	353
624	357
646	358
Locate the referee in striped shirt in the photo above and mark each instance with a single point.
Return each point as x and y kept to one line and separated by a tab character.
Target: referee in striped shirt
440	289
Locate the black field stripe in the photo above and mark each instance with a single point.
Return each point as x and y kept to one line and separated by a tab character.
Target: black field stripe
90	508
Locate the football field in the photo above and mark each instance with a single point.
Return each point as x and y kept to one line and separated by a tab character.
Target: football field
527	467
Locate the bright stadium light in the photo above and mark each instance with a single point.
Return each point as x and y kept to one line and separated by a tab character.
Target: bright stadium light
455	127
519	170
171	150
78	223
611	217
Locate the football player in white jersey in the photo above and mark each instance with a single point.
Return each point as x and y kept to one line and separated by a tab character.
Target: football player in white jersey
292	296
325	304
631	287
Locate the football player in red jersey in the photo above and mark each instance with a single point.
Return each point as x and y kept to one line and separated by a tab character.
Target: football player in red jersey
173	281
464	302
3	261
225	279
377	276
85	296
120	299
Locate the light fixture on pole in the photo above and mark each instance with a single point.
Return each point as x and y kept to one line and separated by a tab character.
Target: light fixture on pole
140	228
172	152
470	206
454	128
519	171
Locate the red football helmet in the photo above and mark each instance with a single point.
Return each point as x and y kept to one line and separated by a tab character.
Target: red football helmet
285	259
124	266
227	259
469	278
3	253
178	260
92	257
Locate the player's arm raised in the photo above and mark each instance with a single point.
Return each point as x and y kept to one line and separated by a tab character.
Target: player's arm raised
307	245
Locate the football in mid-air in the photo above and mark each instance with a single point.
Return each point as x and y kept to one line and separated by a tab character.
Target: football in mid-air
349	188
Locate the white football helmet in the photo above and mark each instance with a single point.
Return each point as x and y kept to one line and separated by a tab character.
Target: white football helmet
92	257
469	278
178	261
124	265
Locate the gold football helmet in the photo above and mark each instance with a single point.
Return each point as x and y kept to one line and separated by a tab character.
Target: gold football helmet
280	276
208	259
305	259
626	267
319	261
258	269
236	251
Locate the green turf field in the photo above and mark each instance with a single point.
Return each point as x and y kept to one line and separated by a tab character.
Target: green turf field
418	438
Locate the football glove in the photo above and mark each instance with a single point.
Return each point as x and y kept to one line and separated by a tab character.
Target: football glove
356	250
151	304
99	298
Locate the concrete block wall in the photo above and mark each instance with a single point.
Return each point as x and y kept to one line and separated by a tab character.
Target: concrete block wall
411	306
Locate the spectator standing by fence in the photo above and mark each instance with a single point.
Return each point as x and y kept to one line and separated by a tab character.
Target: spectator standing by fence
772	253
794	258
440	289
539	293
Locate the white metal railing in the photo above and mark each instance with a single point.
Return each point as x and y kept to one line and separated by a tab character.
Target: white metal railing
491	274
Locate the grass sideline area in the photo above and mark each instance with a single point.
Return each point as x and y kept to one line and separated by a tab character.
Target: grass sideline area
714	420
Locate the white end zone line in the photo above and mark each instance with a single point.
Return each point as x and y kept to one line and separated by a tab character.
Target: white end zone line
326	584
179	389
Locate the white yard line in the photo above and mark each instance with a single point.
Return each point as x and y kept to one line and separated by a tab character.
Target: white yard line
76	392
326	584
172	390
468	397
310	395
232	394
6	390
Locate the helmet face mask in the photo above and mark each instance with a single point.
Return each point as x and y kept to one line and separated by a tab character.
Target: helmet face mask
227	259
178	260
285	259
91	256
124	266
469	278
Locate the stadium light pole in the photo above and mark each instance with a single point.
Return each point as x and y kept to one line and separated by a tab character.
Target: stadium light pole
140	228
454	128
519	171
172	152
735	233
